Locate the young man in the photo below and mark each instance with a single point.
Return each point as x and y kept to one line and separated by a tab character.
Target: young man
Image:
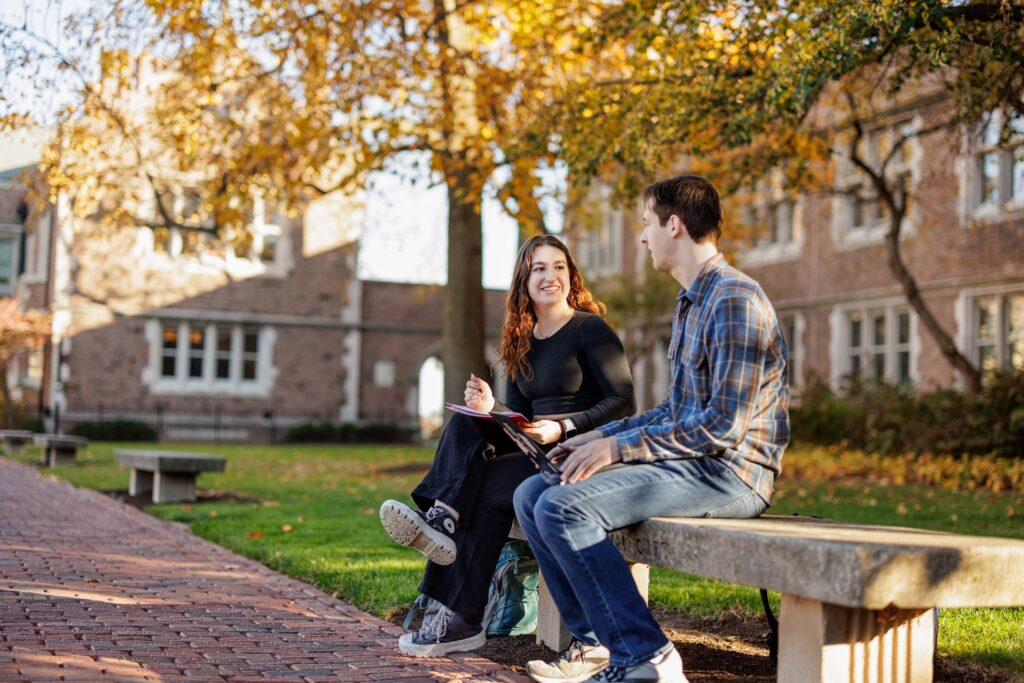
712	448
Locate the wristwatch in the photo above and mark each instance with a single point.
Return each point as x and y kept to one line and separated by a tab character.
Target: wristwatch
568	428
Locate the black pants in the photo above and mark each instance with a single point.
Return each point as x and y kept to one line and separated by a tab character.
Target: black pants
476	470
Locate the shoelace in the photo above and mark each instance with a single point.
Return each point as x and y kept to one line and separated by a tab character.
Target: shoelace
435	512
612	673
437	627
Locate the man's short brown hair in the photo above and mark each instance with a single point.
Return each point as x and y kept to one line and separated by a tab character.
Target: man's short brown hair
693	199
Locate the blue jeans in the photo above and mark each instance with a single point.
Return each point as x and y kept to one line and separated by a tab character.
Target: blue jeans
589	580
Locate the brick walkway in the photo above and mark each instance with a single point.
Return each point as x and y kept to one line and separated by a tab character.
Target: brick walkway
91	590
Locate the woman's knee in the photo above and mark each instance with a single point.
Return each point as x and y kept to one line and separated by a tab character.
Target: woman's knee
525	497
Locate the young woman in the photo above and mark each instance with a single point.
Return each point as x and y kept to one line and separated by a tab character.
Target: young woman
566	372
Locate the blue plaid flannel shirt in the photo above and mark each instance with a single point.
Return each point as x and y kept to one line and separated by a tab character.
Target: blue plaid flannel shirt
728	395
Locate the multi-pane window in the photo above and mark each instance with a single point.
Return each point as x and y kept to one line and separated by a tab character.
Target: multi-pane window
887	150
6	263
169	351
999	161
222	364
201	353
998	327
250	354
879	343
384	373
196	351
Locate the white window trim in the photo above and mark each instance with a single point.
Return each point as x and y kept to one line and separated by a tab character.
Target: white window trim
839	366
964	313
845	235
181	384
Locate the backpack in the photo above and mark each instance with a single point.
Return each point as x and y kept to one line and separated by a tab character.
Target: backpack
511	599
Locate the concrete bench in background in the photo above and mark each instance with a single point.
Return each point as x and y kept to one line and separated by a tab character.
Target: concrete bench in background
14	439
170	475
857	600
59	449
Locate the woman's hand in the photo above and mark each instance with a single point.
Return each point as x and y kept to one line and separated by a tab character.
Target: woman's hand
544	431
478	394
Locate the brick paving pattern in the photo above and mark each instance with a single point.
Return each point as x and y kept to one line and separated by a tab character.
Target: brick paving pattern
92	590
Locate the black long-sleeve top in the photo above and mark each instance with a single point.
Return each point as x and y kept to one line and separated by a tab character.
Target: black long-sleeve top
581	367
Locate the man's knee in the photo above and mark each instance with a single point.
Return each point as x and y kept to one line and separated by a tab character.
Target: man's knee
525	497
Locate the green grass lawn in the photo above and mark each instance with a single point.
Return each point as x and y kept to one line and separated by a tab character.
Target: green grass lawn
317	521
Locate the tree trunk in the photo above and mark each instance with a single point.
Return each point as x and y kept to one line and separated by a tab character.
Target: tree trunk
5	396
970	374
463	338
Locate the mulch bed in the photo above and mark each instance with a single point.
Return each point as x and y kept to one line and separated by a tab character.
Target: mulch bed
727	647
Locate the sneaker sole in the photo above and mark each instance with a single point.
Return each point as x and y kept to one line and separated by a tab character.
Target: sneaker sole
540	677
408	647
407	528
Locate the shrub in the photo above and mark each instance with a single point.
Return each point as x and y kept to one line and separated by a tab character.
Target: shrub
115	430
348	432
882	418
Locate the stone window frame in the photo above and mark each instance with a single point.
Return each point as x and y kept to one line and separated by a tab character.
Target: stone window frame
209	383
983	142
851	181
843	350
600	250
768	197
12	233
794	344
967	320
174	254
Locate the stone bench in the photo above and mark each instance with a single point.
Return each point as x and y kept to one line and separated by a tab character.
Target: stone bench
170	475
857	600
59	449
14	439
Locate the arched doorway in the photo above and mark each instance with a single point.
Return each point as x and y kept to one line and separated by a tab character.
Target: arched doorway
430	401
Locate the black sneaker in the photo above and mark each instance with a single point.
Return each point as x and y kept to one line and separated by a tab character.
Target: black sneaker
446	633
430	532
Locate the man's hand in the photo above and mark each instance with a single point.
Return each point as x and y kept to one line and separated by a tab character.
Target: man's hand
590	458
544	431
478	394
563	449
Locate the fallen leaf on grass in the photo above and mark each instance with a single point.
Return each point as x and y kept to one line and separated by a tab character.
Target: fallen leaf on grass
901	509
255	535
366	511
271	503
213	513
287	528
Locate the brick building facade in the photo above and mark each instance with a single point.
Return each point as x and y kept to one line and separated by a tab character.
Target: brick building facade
209	344
823	261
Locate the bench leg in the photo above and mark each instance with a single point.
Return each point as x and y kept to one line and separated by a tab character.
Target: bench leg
172	487
551	630
823	643
62	456
141	481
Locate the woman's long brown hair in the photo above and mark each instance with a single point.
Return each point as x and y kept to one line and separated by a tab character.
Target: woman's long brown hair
520	317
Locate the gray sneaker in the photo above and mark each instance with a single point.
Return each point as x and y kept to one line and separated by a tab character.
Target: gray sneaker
576	664
668	668
430	533
447	632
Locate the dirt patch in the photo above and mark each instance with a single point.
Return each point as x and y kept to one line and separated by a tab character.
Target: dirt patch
141	500
728	647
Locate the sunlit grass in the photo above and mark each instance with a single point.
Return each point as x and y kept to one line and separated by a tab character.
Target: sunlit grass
316	520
